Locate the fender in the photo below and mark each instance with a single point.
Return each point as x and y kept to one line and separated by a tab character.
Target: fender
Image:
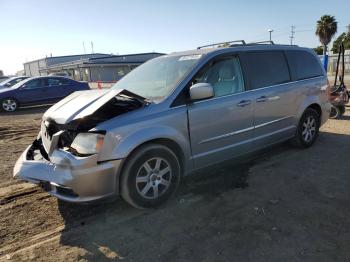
121	147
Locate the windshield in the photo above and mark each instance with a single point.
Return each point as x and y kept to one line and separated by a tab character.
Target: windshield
5	81
11	81
157	78
19	84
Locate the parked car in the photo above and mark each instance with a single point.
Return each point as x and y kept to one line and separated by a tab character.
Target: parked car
3	78
12	81
38	91
65	74
175	114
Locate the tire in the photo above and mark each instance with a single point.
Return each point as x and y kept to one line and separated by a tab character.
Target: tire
308	129
341	110
146	185
335	112
9	105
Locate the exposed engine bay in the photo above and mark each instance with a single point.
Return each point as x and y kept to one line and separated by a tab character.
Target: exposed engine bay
125	101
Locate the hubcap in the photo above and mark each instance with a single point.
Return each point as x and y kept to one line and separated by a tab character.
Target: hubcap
9	105
153	178
309	129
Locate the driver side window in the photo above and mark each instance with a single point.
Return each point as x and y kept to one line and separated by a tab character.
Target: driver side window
224	74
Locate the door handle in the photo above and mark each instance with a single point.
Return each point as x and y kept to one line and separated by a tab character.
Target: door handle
261	99
244	103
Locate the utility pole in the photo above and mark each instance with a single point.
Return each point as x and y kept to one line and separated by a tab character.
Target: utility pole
270	31
84	47
292	32
92	47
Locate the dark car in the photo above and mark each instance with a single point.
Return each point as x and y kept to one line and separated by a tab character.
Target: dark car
12	81
38	91
3	78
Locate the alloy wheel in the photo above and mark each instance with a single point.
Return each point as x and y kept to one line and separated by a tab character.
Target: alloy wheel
153	178
309	129
9	105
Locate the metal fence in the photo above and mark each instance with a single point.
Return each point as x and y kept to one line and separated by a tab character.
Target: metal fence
332	63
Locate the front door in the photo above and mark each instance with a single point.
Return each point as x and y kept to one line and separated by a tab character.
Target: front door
33	92
221	127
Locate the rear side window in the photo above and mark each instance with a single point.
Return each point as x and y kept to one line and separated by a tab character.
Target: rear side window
303	65
57	81
266	68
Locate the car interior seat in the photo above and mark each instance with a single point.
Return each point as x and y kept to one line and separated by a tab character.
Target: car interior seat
226	82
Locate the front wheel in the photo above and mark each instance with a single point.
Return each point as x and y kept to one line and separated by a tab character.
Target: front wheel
308	128
150	177
9	104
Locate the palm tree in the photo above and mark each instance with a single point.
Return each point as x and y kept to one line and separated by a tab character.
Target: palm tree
325	30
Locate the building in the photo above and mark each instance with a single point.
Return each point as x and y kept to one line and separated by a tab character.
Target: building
40	67
91	68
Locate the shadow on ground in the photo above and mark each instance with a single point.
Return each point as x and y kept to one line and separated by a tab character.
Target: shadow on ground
344	117
279	204
115	220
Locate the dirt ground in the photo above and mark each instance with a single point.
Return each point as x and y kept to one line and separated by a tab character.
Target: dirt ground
284	204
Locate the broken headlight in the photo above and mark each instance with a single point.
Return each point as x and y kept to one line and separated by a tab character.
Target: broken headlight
87	143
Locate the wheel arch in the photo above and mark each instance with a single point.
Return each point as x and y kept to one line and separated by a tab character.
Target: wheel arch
313	103
171	144
317	108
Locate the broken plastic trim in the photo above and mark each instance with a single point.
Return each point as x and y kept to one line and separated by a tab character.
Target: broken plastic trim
37	145
122	103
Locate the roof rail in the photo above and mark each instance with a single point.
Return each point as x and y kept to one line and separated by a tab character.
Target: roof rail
262	42
223	43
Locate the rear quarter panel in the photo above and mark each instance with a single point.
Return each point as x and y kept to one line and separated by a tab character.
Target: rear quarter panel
313	91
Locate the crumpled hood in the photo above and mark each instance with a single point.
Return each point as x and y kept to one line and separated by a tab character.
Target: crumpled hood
79	104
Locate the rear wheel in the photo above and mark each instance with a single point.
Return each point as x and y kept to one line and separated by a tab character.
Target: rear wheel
341	110
9	104
308	129
150	177
335	112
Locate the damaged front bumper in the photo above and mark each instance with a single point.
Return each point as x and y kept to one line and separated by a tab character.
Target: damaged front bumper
68	177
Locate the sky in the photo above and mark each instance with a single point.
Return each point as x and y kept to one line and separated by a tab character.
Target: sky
33	29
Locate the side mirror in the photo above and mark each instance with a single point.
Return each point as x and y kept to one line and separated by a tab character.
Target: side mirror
201	91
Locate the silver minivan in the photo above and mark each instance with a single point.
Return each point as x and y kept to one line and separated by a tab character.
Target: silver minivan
175	114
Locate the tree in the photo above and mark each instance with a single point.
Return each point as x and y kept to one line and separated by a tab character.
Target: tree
345	38
325	30
318	50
